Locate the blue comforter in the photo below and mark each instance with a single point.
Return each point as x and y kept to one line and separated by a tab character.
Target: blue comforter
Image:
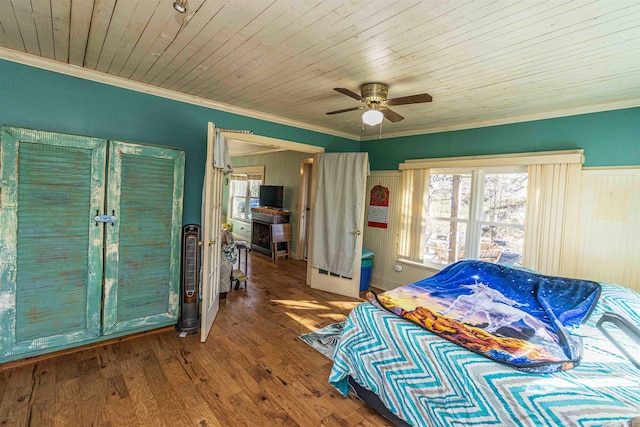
510	315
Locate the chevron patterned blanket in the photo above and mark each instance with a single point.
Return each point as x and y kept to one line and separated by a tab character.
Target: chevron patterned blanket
510	315
429	381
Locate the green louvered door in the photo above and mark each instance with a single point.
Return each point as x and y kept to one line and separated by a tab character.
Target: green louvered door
142	256
50	260
65	278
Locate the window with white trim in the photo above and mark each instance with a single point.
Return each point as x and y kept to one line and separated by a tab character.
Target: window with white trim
244	189
488	212
475	213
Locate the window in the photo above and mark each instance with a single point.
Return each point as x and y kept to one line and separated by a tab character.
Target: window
518	208
449	197
475	213
244	188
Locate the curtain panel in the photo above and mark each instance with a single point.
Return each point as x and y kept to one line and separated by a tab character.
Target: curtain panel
413	214
552	217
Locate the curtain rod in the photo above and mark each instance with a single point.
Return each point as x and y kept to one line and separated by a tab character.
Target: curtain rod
235	131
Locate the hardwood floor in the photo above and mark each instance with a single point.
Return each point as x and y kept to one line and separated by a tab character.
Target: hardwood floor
252	371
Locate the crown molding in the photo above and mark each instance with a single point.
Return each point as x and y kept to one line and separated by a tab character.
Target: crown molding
100	77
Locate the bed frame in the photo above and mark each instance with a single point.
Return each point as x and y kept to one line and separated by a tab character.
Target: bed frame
376	404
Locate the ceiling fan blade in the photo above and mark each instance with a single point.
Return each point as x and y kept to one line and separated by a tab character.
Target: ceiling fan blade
413	99
390	115
346	109
349	93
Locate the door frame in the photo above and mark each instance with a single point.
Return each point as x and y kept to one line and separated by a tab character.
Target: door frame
304	211
274	143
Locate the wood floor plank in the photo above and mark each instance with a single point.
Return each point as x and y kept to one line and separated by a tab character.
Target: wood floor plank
252	371
121	408
274	414
202	416
44	386
146	407
41	415
14	408
66	410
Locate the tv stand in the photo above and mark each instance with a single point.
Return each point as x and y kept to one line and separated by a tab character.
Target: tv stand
261	219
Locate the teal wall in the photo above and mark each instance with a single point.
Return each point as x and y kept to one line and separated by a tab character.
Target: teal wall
44	100
610	138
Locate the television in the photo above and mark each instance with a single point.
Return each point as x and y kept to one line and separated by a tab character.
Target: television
270	196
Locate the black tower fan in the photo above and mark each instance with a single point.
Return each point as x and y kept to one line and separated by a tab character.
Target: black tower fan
189	313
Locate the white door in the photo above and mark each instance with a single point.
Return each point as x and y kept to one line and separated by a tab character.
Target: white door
211	228
331	283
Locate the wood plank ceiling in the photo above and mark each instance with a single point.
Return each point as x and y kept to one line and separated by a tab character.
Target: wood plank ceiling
484	62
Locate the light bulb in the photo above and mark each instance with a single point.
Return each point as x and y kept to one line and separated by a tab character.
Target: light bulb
372	117
180	5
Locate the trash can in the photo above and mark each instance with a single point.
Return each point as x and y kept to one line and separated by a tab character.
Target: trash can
365	269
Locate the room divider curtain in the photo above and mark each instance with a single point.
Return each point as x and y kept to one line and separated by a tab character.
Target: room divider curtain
337	210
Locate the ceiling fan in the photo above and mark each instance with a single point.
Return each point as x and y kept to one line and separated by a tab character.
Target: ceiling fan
374	97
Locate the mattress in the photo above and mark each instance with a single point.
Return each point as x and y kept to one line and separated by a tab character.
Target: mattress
429	381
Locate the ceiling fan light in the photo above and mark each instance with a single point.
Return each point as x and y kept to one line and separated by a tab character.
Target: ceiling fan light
372	117
180	5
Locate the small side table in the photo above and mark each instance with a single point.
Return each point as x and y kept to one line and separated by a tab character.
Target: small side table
238	275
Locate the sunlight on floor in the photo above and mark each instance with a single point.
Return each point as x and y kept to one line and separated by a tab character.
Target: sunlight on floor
344	304
310	324
325	311
301	305
336	317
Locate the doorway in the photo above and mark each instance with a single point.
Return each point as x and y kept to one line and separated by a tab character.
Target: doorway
247	145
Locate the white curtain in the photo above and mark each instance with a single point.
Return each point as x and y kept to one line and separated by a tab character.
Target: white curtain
552	217
337	209
221	156
415	183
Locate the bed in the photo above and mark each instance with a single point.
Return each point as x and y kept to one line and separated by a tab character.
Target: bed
422	379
